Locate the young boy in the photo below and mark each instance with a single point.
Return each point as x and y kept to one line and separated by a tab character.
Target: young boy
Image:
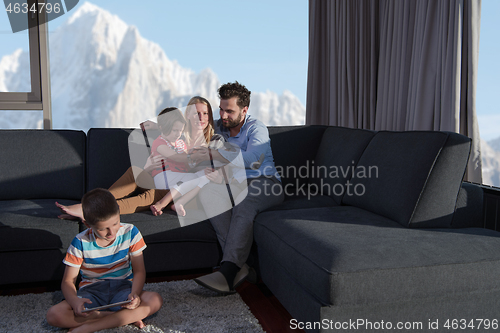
109	257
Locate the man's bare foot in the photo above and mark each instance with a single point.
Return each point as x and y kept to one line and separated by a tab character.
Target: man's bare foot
179	209
140	324
73	210
156	210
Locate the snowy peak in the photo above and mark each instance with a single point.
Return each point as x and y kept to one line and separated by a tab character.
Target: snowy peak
92	32
490	158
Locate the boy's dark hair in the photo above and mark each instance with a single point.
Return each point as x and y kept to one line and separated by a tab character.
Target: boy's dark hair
230	90
167	118
99	205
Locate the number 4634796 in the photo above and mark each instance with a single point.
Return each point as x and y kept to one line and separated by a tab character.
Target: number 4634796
24	8
479	324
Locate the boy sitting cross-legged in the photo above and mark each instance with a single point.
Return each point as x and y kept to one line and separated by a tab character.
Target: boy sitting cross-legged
109	257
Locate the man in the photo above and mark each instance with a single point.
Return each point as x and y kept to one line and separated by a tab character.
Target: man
234	226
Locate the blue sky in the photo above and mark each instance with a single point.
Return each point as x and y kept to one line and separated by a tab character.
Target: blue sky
488	86
262	44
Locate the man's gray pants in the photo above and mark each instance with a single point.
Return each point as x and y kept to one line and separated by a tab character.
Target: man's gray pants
234	226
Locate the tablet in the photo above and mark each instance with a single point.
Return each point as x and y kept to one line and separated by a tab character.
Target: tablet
107	306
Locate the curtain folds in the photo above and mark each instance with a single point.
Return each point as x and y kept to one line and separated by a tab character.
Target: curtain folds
395	65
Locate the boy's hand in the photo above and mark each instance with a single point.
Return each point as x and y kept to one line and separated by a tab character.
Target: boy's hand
79	305
136	301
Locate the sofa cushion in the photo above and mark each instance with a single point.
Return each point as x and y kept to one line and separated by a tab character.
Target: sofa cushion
415	177
304	201
294	148
31	266
348	256
182	248
42	164
338	154
33	241
30	218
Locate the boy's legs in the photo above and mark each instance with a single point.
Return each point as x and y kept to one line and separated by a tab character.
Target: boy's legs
102	293
62	315
151	302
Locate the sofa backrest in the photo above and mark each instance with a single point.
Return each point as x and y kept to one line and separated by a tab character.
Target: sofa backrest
107	156
294	148
42	164
337	157
417	180
469	212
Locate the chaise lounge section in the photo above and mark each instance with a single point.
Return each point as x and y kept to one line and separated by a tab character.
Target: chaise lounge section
389	252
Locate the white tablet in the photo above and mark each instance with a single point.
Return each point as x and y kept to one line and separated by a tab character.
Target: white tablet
107	306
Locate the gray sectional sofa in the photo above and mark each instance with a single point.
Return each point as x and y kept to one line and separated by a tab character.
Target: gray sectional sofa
376	228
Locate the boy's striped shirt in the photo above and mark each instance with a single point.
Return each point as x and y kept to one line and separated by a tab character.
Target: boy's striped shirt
111	262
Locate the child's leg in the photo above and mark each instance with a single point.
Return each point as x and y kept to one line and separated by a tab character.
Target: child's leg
163	202
122	188
62	315
178	206
125	185
200	181
151	302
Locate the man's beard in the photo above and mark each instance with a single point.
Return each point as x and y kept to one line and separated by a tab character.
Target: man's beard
233	123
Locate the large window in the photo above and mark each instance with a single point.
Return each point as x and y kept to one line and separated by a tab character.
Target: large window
488	86
115	63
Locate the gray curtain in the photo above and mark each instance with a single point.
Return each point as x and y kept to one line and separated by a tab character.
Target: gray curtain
395	65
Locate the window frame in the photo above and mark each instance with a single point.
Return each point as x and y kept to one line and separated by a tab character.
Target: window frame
39	96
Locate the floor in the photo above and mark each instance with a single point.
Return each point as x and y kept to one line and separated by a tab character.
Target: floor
272	316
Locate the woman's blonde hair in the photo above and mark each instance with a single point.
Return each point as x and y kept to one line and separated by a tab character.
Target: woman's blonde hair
208	132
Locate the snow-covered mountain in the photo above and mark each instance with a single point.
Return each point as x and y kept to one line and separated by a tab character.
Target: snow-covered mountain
490	155
104	74
495	144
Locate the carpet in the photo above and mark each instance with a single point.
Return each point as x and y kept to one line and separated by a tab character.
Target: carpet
187	307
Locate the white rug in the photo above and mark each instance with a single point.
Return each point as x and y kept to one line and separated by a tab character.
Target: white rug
187	307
